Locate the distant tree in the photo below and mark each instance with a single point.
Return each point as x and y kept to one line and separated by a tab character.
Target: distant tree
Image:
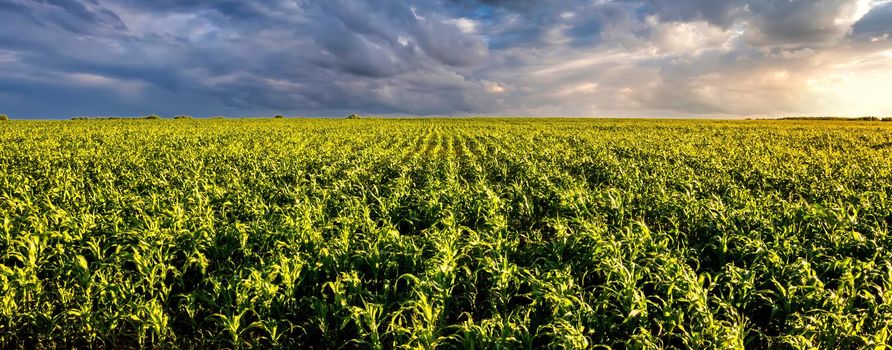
279	116
153	116
887	119
4	117
354	116
217	117
183	117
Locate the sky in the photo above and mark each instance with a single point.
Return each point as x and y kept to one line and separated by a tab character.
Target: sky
591	58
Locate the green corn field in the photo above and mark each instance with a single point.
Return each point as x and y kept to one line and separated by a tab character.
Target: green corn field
445	234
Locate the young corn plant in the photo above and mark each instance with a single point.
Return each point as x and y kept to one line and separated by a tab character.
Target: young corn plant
445	233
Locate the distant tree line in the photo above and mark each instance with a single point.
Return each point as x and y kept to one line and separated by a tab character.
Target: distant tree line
857	119
181	116
150	116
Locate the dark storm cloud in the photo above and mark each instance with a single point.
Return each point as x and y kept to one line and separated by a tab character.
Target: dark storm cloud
71	15
563	57
805	22
876	25
721	13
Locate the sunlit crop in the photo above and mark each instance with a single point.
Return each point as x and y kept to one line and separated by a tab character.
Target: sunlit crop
471	233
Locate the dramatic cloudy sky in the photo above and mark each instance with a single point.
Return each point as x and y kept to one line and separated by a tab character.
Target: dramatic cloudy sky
675	58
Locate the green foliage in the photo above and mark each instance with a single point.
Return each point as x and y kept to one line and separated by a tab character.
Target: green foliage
113	117
183	117
458	233
279	116
354	116
4	117
153	117
859	119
